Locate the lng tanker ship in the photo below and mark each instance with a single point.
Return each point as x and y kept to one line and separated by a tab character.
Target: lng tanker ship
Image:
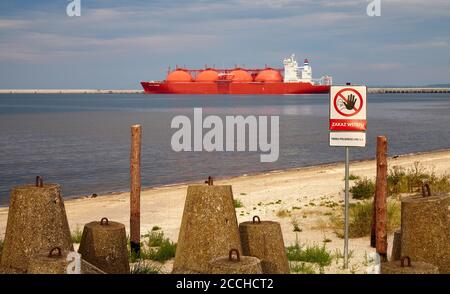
292	79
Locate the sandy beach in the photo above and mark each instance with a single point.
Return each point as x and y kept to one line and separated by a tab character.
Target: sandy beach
264	195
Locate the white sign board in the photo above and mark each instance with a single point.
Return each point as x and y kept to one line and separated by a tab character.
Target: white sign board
348	111
348	139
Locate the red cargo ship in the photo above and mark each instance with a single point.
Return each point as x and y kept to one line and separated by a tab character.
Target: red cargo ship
291	79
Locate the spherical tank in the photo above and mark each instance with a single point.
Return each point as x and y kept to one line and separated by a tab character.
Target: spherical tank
179	76
239	75
208	75
269	76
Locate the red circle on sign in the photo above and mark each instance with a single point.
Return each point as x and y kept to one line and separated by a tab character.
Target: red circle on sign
340	94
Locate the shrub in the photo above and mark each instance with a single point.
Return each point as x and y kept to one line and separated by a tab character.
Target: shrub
363	189
361	218
401	180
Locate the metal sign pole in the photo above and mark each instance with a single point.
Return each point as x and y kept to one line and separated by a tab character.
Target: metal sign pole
346	208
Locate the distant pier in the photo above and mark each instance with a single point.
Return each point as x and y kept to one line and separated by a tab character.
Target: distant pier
106	91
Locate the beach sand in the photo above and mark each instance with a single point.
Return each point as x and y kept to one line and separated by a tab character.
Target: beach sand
273	191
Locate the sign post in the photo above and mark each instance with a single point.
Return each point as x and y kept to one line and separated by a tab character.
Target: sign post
348	123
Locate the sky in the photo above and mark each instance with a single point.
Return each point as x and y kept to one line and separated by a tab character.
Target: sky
116	44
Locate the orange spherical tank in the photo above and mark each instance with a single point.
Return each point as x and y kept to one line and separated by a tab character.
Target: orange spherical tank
269	76
208	75
241	76
179	76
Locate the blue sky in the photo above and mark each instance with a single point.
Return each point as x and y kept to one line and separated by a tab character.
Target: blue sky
116	44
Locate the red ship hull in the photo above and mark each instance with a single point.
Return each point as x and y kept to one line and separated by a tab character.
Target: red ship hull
228	87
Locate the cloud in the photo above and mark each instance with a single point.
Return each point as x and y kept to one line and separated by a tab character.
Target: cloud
12	24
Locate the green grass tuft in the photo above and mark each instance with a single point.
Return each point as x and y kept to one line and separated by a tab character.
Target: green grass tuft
163	253
76	236
353	177
238	203
314	254
154	239
155	247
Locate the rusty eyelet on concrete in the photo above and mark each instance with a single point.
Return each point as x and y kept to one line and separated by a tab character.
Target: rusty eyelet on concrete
52	252
256	219
236	252
402	261
209	181
426	191
104	221
39	182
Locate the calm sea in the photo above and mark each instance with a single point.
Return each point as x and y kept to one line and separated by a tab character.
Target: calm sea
83	141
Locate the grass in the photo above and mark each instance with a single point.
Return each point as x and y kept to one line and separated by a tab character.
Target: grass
313	254
238	203
155	239
296	225
283	213
156	247
363	189
76	235
142	268
361	218
163	253
339	255
353	177
302	268
401	180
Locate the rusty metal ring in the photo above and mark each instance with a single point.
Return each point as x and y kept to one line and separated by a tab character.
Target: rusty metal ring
230	255
256	218
39	182
104	221
426	191
51	254
402	261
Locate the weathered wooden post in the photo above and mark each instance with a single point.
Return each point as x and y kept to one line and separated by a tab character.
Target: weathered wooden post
135	189
373	229
381	198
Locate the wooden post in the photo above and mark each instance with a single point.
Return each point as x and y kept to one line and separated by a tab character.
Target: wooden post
373	228
381	198
135	189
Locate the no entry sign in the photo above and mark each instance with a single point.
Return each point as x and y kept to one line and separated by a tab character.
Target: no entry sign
348	110
348	123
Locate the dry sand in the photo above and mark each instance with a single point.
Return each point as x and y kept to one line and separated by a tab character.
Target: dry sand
273	191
